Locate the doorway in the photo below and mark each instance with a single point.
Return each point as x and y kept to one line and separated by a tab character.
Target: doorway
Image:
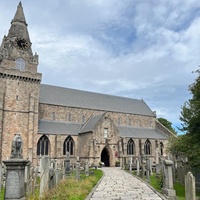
105	157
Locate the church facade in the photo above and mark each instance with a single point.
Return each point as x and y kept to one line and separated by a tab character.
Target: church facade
57	121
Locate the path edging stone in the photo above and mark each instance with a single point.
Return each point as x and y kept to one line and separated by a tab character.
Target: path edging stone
94	188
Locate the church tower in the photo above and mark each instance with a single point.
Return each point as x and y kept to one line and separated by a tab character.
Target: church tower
19	88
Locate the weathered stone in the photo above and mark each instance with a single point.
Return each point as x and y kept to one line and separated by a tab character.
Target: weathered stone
190	192
14	187
44	174
168	188
77	169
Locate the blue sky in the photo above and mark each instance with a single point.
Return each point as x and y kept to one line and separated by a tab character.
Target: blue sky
138	49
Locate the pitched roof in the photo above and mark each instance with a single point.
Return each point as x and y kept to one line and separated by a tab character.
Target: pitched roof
82	99
132	132
89	126
55	127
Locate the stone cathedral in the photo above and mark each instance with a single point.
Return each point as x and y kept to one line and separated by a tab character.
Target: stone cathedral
57	121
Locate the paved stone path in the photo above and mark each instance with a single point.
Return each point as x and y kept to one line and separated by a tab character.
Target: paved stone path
119	185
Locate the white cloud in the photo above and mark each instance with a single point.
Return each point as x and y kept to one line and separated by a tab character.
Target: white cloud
138	49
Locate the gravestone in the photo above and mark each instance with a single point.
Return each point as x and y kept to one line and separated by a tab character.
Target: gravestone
27	177
57	176
15	171
190	187
87	168
168	188
67	164
1	176
138	166
44	174
142	166
147	168
51	178
77	169
130	164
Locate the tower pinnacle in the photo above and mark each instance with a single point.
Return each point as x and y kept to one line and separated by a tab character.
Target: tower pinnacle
19	15
18	24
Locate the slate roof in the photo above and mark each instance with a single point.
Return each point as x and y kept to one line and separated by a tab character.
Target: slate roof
132	132
89	126
82	99
55	127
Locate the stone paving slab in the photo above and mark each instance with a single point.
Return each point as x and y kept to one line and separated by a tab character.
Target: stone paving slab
119	185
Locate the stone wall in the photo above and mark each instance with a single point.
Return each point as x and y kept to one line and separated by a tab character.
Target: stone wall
20	110
61	114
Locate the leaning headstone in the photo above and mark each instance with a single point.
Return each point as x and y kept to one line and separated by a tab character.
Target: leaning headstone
190	187
168	189
77	169
44	174
15	167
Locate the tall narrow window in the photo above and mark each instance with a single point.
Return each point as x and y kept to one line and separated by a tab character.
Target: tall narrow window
130	147
20	64
68	146
161	148
118	121
147	148
83	118
53	115
105	133
43	146
69	117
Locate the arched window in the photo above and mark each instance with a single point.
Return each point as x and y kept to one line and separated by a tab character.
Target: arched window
69	117
53	115
161	148
118	121
83	118
147	148
20	64
130	147
43	146
68	146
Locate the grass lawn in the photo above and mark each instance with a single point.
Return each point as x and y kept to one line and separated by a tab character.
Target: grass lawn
2	194
155	182
70	189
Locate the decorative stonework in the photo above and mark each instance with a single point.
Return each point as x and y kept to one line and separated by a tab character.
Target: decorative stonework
16	151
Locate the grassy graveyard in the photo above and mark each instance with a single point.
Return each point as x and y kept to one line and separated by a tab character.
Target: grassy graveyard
71	189
155	182
2	194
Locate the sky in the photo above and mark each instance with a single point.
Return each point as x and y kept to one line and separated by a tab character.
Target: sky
139	49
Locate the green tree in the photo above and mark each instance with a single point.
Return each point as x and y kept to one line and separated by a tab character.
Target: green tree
189	143
167	124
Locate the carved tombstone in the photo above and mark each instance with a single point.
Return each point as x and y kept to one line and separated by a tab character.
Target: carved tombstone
15	171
